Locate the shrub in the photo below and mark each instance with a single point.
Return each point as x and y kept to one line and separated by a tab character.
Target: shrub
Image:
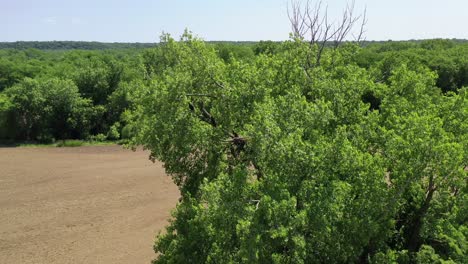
98	138
113	133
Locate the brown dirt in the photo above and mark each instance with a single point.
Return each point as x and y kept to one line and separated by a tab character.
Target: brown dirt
81	205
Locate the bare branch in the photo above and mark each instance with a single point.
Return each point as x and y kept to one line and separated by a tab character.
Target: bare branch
256	202
360	36
311	23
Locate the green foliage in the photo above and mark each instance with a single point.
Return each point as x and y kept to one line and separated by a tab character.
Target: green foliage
97	77
129	130
448	59
98	138
279	162
45	109
229	52
6	117
267	47
113	133
105	79
16	65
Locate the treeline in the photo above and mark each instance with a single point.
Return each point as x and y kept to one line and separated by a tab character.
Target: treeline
81	94
94	45
72	45
46	96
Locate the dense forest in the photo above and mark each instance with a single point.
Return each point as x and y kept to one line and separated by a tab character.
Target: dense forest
80	90
358	156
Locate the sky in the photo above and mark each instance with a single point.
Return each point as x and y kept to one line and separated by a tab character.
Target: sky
241	20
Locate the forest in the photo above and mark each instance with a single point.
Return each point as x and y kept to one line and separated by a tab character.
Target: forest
81	90
283	152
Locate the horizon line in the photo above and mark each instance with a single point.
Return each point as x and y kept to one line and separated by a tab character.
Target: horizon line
139	42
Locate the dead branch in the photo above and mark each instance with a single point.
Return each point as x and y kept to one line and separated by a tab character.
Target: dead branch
256	202
311	23
204	115
360	37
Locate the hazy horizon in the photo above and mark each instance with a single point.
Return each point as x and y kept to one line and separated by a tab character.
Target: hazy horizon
144	21
253	41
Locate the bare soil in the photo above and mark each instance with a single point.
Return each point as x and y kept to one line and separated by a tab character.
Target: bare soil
81	205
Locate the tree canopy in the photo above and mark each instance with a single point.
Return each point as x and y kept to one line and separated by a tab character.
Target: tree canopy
276	165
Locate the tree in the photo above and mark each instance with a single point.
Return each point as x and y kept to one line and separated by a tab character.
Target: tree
266	47
276	168
46	109
6	120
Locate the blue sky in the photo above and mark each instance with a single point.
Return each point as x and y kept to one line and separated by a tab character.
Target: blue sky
144	20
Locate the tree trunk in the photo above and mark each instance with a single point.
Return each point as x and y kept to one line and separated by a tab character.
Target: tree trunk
414	238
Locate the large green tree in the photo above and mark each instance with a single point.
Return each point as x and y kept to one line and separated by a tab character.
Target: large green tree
283	161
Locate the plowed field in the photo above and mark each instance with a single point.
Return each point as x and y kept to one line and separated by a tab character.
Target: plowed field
81	205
